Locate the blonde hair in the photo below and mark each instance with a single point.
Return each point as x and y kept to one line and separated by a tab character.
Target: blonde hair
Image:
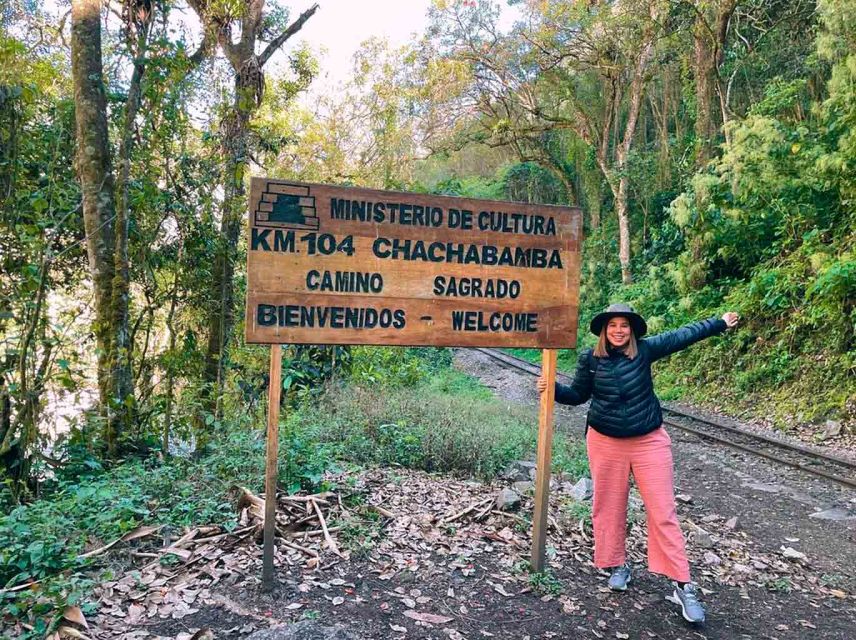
631	350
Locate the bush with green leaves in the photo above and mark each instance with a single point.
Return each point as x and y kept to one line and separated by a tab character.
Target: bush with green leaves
448	423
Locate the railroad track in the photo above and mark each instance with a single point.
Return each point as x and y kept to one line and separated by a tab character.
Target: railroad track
797	456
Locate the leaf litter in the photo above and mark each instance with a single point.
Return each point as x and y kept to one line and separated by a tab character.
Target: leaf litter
430	527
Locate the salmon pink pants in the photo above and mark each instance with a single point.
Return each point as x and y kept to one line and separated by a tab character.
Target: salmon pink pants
649	459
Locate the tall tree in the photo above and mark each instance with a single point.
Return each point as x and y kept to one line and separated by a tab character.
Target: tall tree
221	21
710	30
581	67
95	172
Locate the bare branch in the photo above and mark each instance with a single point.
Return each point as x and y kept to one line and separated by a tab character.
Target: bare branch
293	28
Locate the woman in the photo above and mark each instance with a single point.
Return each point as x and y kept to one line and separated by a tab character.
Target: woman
625	435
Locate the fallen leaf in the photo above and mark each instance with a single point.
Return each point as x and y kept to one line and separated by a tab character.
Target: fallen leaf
430	618
135	612
75	615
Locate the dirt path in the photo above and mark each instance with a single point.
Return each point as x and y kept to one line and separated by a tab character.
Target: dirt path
426	570
775	507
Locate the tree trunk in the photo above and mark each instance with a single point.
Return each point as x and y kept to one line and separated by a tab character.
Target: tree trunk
121	361
709	38
95	172
249	85
637	92
235	131
621	209
703	66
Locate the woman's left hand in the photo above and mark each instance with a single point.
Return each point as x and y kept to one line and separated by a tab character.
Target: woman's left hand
731	319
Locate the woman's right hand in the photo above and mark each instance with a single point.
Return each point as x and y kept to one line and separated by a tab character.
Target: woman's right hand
541	384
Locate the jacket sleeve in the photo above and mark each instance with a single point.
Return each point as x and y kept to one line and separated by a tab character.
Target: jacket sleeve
580	389
667	343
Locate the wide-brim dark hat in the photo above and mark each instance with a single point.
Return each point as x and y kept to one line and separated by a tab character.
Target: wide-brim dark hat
637	322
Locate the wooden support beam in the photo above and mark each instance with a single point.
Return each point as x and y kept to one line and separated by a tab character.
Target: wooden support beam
271	453
543	460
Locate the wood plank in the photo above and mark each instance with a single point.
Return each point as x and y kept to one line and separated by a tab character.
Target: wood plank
403	256
321	319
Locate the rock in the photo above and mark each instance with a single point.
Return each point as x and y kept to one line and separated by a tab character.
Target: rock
583	489
519	470
524	486
712	559
792	554
731	523
702	539
304	630
684	497
764	487
507	500
836	514
832	429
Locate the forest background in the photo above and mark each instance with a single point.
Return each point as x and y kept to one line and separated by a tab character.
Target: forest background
710	143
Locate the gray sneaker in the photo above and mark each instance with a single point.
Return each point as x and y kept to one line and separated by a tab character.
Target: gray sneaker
620	578
687	598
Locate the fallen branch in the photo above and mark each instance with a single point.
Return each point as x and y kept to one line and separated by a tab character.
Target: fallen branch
311	534
472	507
481	514
386	513
293	545
20	587
139	532
220	536
496	512
330	542
320	497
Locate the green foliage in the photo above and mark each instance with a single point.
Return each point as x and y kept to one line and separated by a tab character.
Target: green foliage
422	427
577	511
545	583
386	366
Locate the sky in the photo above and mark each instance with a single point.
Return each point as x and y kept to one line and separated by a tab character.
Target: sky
339	26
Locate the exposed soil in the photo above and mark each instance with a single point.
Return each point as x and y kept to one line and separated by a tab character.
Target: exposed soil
430	571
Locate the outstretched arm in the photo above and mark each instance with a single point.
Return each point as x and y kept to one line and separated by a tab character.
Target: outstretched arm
667	343
579	390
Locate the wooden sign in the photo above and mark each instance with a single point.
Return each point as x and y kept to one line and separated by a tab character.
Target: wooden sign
338	265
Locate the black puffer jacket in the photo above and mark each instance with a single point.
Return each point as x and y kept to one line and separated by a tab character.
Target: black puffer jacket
623	402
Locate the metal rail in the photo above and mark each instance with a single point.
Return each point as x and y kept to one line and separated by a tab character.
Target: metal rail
522	365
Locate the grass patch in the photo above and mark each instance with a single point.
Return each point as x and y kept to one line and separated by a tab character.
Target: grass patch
422	427
447	423
574	511
545	583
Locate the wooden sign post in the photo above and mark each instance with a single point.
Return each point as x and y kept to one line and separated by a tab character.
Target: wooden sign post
271	458
543	460
340	265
